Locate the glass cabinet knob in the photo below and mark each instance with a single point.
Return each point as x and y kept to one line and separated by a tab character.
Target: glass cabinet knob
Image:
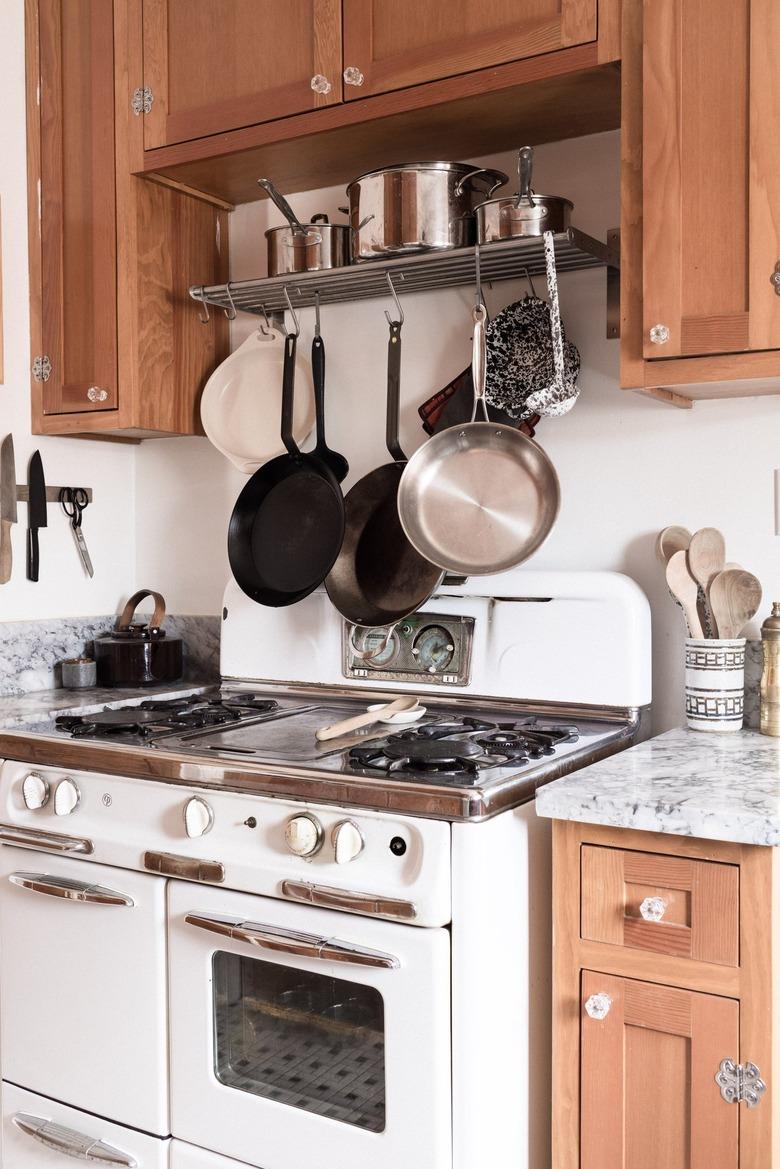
659	334
320	84
598	1005
653	908
95	394
353	76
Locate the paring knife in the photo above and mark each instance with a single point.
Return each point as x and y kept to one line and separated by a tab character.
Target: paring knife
7	505
36	513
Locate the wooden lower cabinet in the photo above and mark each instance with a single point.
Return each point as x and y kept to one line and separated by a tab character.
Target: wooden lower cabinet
647	1007
649	1097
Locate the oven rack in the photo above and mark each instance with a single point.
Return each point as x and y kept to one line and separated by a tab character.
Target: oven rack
423	272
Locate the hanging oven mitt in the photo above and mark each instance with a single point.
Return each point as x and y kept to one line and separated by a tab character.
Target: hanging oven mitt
532	369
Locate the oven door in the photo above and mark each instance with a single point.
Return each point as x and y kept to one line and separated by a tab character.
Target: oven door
83	986
301	1036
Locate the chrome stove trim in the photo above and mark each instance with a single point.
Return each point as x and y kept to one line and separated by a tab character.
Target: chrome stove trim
329	897
405	797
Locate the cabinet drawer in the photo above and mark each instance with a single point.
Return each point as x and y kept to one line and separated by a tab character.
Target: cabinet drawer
664	904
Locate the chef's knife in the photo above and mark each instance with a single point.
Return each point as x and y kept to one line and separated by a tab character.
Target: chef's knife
36	513
7	505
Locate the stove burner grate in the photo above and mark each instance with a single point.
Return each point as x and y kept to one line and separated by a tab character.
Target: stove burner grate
462	747
156	716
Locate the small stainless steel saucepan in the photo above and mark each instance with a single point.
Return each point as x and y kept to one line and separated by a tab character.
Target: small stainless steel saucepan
304	247
524	214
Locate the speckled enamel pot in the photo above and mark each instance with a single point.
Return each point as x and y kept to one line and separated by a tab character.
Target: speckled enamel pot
715	683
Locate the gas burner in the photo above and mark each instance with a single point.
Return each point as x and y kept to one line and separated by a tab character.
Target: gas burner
157	717
445	728
250	702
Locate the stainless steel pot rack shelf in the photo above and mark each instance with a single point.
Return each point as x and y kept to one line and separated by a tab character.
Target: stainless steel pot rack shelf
423	272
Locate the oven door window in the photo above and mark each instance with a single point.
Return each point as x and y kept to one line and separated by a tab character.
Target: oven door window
302	1039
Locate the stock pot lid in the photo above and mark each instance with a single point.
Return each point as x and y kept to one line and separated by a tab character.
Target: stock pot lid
463	169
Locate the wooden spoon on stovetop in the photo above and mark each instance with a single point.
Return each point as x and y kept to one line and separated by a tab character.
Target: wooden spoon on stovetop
734	599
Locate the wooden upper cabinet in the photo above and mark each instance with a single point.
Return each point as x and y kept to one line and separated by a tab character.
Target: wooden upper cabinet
77	208
217	65
390	46
649	1097
711	176
116	344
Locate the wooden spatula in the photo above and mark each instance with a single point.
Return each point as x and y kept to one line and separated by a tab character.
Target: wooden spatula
734	598
685	591
364	720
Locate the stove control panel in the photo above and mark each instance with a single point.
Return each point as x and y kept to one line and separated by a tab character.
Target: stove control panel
434	647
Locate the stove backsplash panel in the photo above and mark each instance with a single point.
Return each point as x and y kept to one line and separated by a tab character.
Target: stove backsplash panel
30	651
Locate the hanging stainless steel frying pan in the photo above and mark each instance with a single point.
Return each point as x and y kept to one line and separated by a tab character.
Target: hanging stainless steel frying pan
478	498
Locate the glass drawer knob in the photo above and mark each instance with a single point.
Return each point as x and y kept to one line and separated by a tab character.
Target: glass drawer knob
95	394
598	1005
653	908
659	334
320	84
353	76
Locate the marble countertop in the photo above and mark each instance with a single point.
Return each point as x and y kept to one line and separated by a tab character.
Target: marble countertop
18	711
688	783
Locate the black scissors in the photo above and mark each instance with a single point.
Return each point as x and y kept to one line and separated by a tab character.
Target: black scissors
74	502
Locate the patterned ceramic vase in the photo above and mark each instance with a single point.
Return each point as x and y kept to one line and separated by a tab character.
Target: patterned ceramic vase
714	683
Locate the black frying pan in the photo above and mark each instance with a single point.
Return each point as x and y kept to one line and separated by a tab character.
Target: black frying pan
288	522
379	577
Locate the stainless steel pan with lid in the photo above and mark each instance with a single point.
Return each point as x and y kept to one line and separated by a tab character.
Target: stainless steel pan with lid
304	247
524	214
417	207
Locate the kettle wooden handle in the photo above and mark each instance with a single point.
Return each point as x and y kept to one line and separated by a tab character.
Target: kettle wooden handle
127	614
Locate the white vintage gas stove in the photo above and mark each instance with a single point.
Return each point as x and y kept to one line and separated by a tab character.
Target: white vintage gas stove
225	943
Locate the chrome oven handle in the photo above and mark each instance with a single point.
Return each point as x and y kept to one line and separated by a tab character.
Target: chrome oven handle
284	941
49	841
332	898
72	1143
71	890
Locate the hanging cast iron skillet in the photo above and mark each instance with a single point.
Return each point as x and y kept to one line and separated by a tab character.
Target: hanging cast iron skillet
379	577
288	522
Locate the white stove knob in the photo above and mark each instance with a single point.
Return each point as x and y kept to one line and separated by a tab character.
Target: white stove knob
35	790
66	797
304	835
347	841
198	817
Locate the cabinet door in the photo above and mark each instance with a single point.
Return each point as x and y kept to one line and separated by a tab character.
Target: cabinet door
77	208
649	1097
389	46
711	176
216	65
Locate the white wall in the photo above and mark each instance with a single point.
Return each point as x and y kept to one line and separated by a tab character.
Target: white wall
628	465
109	524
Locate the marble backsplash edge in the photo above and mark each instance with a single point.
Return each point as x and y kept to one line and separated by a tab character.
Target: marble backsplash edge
31	650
